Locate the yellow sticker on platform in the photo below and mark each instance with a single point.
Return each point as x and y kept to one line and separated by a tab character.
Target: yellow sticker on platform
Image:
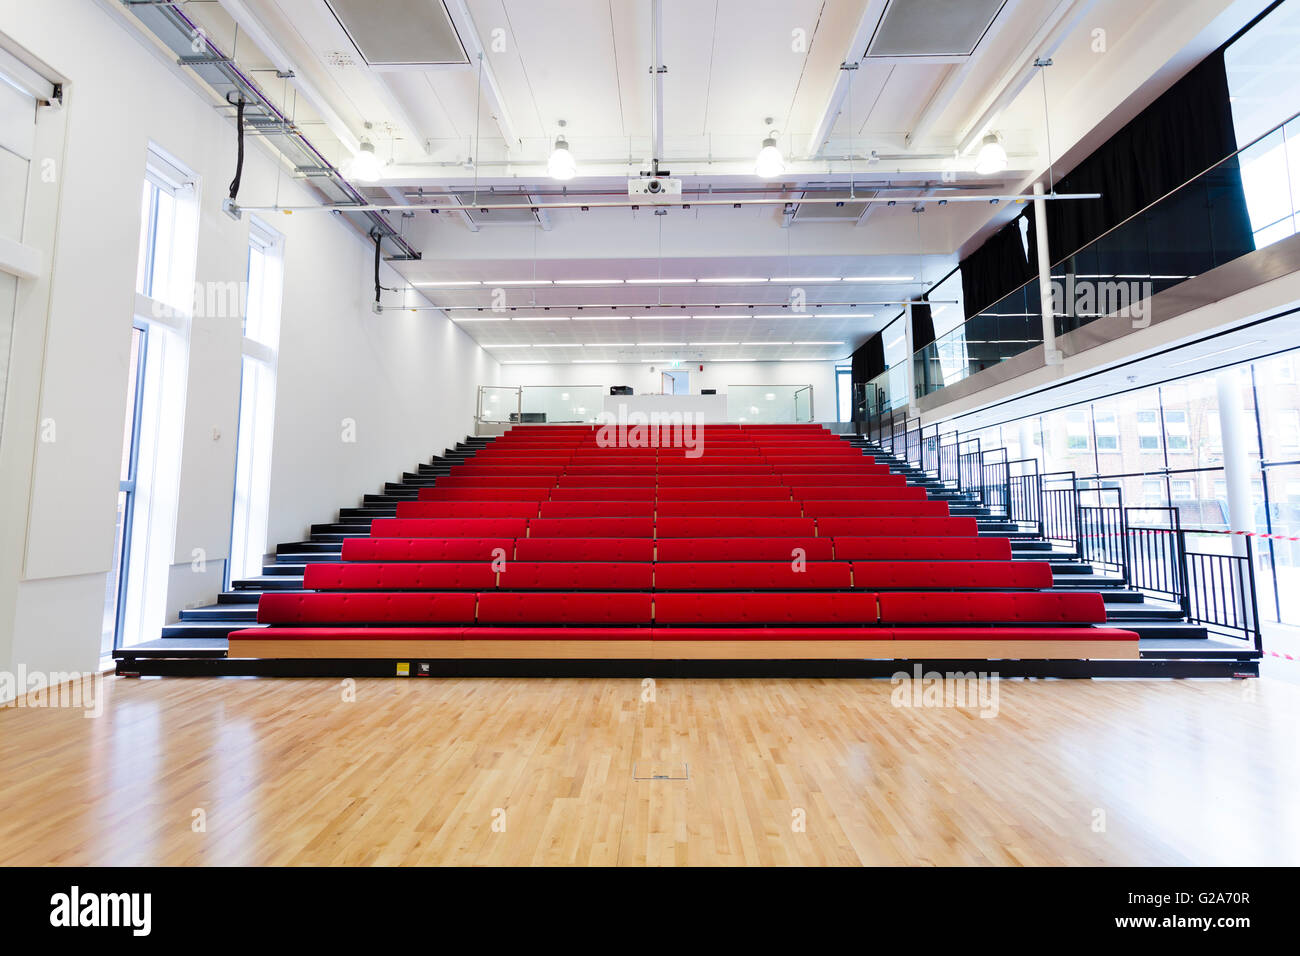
403	669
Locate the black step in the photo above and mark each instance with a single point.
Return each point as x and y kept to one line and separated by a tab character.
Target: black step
269	582
188	629
367	513
238	598
305	547
387	499
220	613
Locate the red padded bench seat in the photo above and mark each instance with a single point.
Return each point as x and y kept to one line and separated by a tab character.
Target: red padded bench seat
591	528
875	509
748	576
427	549
992	608
732	527
467	509
585	549
721	492
736	507
493	481
743	549
348	608
644	508
1014	634
765	609
504	607
439	493
449	528
847	481
920	548
604	493
951	575
572	576
896	527
405	576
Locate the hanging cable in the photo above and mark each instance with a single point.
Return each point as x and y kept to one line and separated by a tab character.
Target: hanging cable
379	248
239	161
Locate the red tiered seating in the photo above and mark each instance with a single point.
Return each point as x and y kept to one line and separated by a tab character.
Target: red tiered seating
776	541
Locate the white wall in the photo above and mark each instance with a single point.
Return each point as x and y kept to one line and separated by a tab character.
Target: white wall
408	379
717	375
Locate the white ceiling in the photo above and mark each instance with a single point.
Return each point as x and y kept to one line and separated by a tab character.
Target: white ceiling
731	65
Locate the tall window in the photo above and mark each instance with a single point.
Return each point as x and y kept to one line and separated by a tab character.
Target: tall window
844	393
257	400
136	601
1263	68
115	591
17	137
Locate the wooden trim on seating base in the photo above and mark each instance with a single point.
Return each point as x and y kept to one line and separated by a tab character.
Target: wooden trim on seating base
683	650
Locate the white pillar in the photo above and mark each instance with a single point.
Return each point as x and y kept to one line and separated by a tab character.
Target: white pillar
1236	455
1051	354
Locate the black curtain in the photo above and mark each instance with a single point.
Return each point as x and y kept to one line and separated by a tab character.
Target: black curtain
1178	137
926	368
868	362
996	267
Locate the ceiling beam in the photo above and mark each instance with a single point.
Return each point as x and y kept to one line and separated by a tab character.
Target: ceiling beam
248	22
491	87
848	67
955	79
1058	25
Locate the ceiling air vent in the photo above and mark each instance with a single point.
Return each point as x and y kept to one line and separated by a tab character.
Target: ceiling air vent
850	211
944	28
523	216
398	33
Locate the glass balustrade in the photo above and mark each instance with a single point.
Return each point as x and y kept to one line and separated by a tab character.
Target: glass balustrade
1247	202
769	404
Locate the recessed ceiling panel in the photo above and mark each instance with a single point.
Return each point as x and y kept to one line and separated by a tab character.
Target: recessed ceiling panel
400	32
933	27
845	211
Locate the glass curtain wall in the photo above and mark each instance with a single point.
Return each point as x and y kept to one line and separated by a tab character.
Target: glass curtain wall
1163	447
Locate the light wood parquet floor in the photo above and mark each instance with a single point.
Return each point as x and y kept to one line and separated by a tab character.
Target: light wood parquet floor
540	771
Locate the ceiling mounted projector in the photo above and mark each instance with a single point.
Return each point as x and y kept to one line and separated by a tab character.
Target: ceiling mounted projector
655	189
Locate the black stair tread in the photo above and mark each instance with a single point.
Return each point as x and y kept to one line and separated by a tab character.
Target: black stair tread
187	629
270	582
1173	645
219	613
1141	612
238	598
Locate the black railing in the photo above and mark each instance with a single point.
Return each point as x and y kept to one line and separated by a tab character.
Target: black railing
1144	547
1060	509
1157	560
949	459
1102	529
970	471
930	451
912	446
995	482
1025	494
1221	591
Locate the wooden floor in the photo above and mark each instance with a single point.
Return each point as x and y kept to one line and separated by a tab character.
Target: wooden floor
495	771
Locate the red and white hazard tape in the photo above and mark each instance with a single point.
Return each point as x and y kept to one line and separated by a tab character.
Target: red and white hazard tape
1244	534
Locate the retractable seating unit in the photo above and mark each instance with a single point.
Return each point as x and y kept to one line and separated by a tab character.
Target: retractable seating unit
760	542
